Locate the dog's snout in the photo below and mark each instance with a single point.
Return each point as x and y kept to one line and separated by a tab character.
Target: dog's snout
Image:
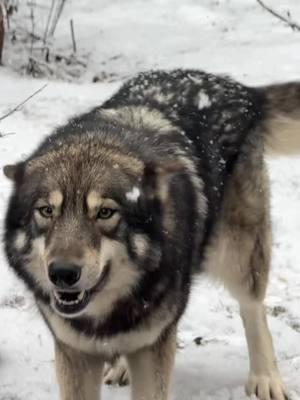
64	275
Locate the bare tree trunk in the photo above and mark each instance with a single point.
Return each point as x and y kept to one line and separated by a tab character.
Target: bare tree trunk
1	32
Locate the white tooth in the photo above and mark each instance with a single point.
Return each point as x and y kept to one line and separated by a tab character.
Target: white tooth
67	303
81	295
56	295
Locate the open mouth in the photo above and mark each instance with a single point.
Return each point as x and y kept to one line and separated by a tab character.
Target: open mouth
72	302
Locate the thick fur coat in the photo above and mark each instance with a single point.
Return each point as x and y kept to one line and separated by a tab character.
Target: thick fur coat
116	211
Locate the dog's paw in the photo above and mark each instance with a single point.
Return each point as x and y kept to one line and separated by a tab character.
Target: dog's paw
116	373
266	387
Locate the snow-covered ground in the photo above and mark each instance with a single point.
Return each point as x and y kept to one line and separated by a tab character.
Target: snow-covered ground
122	37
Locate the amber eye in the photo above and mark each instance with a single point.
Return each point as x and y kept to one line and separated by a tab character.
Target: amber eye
105	213
46	211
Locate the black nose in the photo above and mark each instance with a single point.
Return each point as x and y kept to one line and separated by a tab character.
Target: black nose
64	275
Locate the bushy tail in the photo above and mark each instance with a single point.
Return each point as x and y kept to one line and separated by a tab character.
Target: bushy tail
282	119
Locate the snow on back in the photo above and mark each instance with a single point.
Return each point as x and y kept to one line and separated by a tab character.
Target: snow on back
204	100
133	195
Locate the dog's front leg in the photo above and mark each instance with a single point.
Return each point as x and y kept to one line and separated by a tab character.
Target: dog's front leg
78	374
151	369
264	379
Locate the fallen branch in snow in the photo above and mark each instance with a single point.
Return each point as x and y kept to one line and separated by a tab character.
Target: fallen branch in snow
19	106
287	21
2	134
36	66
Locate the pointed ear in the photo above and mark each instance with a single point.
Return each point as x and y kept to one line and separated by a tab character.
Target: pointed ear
14	172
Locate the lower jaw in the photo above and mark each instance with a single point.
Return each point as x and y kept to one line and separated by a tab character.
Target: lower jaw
71	310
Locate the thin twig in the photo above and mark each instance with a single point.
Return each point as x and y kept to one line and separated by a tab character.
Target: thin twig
6	134
25	31
287	21
19	106
7	13
32	6
37	63
48	22
56	18
2	32
73	36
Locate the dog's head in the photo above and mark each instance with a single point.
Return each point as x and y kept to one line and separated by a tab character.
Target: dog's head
85	223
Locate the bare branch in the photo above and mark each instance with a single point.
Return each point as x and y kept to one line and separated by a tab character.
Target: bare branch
32	7
57	16
19	106
73	36
48	22
287	21
2	134
2	32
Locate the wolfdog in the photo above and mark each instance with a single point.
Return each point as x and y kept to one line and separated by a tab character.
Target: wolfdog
116	211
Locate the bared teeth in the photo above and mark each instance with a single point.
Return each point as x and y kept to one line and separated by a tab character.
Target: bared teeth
61	298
